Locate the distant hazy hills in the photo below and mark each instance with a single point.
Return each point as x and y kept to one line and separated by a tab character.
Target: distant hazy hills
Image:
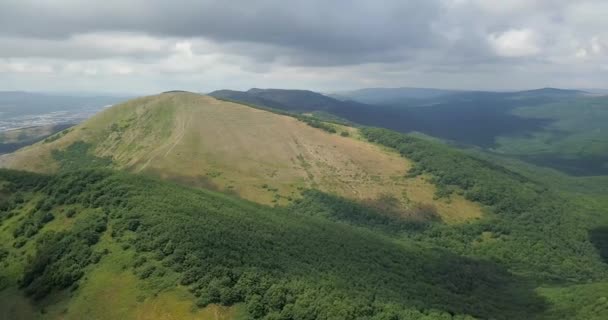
370	98
388	95
413	96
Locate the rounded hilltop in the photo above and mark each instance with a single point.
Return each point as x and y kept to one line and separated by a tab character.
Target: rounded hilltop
269	158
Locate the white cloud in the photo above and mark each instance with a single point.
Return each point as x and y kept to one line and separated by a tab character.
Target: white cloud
11	66
515	43
596	45
581	53
120	42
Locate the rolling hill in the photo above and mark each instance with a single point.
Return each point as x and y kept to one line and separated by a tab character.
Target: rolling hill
261	156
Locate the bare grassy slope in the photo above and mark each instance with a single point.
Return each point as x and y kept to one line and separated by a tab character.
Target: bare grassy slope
259	155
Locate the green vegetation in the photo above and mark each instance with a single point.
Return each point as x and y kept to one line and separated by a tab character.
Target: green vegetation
61	257
575	141
321	257
57	136
278	263
78	156
315	123
68	239
319	204
534	231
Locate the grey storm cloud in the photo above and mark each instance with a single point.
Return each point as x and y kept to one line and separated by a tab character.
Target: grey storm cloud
331	43
336	27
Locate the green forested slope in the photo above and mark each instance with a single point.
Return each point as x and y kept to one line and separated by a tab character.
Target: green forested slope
228	251
533	255
533	229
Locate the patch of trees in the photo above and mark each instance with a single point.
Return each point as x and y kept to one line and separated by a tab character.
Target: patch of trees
283	264
33	222
279	264
61	257
57	135
8	204
599	238
78	156
316	123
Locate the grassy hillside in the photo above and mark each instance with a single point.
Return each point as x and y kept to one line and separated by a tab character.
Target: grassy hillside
259	155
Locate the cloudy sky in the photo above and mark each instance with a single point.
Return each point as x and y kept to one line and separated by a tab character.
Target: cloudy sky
144	46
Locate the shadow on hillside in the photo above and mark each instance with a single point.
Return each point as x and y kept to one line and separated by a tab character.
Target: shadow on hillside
579	166
477	121
599	238
198	181
454	284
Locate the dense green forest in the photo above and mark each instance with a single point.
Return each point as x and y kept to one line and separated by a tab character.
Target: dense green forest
280	263
321	257
532	229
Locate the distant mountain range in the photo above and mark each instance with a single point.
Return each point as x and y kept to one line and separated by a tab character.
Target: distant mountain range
388	95
307	101
417	96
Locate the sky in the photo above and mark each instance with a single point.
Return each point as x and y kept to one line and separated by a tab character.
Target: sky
147	46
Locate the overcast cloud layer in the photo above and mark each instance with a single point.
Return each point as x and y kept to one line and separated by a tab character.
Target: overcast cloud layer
152	45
